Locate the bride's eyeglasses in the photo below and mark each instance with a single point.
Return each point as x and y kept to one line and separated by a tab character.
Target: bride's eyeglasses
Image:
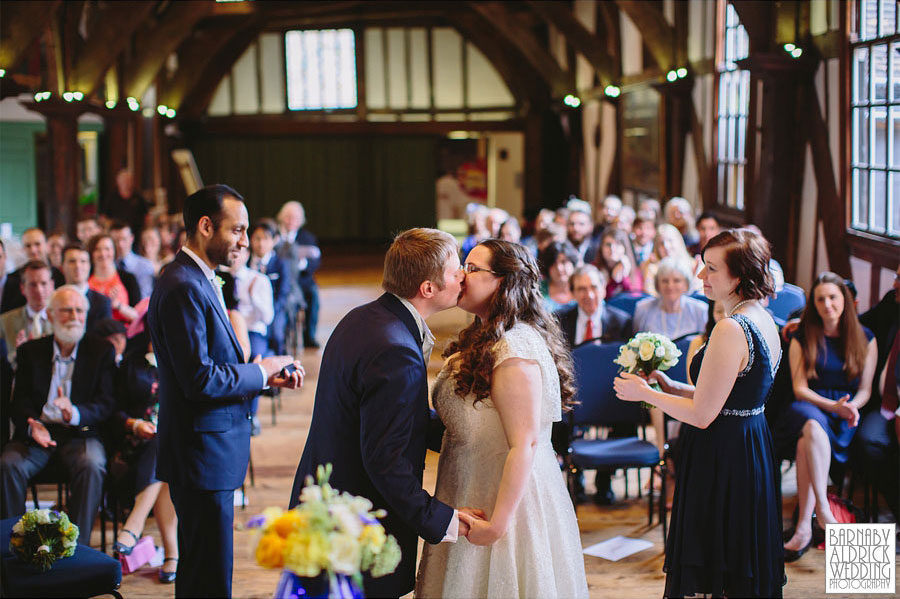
469	268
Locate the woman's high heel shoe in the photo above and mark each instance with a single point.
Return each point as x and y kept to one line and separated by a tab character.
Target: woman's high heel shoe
792	555
121	548
167	577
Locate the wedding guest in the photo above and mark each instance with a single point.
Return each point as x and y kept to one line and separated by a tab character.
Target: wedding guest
608	213
668	243
125	204
625	220
618	264
643	233
30	321
673	312
510	231
680	214
557	263
135	420
553	232
55	245
726	513
63	393
708	226
118	285
143	269
151	249
114	332
477	220
6	372
86	228
578	231
34	242
651	206
292	220
561	216
590	318
541	222
263	259
833	361
76	268
496	218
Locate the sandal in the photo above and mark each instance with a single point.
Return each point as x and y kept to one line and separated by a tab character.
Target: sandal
167	577
123	549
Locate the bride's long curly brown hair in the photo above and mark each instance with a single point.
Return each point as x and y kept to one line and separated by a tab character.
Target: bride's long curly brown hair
518	299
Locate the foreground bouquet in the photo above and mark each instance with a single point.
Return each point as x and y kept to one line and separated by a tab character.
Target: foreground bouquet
41	537
328	531
646	352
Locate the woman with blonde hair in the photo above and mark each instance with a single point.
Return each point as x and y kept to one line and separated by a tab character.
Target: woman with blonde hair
668	243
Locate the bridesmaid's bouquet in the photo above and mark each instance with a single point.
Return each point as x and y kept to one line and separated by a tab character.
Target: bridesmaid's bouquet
646	352
41	537
332	532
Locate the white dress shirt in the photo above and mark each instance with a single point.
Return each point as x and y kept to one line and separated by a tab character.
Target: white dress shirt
62	377
210	275
596	324
254	299
452	534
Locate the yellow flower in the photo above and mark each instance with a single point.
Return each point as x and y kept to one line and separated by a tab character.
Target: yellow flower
17	541
646	350
288	522
306	553
373	535
270	551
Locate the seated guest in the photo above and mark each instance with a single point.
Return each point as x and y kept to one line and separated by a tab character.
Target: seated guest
579	229
76	268
114	332
263	259
35	245
625	220
118	285
618	264
477	221
643	232
680	214
590	317
510	231
496	218
608	213
136	450
651	206
63	393
142	268
152	249
668	243
708	226
55	245
30	321
541	221
832	359
673	313
557	262
292	220
86	228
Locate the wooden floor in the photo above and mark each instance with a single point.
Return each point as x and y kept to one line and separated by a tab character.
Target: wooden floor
349	279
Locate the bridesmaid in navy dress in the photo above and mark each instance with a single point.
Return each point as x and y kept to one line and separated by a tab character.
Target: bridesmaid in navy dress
725	535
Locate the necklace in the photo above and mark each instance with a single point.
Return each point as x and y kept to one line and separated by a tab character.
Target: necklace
738	307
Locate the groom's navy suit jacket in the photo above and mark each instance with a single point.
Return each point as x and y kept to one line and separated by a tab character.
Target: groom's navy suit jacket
205	387
371	421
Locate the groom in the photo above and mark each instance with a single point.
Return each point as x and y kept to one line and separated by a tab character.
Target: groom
371	418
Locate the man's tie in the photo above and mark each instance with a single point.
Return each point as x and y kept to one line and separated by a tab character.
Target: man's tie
36	329
588	330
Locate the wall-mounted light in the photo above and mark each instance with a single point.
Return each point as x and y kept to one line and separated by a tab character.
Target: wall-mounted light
41	96
170	113
671	75
68	96
797	52
110	104
612	91
681	72
161	109
133	104
2	73
789	47
573	101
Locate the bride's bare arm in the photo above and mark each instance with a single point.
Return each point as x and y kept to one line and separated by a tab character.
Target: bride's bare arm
516	394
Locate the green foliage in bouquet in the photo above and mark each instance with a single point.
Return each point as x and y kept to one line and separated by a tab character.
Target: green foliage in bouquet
41	537
646	352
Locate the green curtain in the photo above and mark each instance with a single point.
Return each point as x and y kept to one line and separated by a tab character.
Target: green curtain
352	187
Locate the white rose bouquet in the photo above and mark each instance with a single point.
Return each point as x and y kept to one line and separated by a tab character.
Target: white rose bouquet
41	537
646	352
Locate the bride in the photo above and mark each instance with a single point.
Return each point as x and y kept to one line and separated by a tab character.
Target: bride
502	387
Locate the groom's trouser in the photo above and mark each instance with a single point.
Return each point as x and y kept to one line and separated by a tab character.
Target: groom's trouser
205	541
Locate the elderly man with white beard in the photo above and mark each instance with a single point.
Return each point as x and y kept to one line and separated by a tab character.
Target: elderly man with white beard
63	393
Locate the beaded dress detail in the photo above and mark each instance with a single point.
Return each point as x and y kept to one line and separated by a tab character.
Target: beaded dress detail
725	532
540	554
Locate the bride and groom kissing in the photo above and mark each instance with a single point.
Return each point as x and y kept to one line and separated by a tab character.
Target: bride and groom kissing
500	522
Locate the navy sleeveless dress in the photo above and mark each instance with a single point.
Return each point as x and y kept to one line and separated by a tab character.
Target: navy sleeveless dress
725	532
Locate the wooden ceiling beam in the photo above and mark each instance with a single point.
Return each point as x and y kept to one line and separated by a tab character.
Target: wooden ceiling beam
655	30
157	39
559	81
21	23
588	44
116	23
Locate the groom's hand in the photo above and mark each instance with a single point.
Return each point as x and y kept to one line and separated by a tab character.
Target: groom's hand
273	367
481	532
469	512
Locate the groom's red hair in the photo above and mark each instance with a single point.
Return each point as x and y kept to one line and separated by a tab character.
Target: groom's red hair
416	256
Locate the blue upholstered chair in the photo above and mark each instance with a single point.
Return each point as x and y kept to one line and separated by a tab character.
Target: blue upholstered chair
626	301
88	573
599	407
790	299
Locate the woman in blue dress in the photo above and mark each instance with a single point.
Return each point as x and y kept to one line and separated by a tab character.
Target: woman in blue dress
832	365
725	535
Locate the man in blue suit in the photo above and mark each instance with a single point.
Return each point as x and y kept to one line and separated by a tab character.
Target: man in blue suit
371	419
264	259
205	389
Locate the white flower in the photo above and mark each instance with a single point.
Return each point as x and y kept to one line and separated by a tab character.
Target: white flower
67	542
347	520
646	350
42	516
660	351
344	554
627	359
635	343
151	359
18	528
311	493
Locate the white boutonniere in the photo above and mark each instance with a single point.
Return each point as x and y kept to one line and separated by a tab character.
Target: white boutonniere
219	282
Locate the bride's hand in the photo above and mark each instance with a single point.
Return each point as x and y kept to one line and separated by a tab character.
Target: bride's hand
481	532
